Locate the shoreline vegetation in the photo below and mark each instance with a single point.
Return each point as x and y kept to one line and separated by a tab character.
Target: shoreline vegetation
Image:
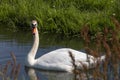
66	17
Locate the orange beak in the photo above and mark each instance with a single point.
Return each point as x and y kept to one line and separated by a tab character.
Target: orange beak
33	30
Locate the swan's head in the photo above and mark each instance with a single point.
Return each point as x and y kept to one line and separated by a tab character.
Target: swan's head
34	26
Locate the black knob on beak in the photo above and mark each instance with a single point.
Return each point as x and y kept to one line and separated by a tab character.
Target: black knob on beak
33	25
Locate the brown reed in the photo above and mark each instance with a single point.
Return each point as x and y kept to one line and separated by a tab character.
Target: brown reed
91	52
116	23
5	69
10	65
73	63
85	34
98	41
13	58
107	42
73	59
79	75
17	72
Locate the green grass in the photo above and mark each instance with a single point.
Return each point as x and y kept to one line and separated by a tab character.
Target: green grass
59	16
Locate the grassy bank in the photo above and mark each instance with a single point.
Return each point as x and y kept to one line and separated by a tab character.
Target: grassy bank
59	16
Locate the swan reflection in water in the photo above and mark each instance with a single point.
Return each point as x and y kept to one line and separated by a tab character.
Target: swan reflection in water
48	75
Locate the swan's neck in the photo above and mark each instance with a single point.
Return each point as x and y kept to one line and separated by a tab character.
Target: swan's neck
33	51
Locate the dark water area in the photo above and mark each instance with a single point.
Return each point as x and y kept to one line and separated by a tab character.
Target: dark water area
20	43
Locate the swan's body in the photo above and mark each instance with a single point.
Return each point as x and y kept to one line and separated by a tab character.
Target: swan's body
59	59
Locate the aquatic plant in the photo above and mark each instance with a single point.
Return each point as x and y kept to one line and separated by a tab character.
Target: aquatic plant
10	70
106	43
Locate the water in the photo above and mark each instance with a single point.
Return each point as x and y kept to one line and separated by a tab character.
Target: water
20	43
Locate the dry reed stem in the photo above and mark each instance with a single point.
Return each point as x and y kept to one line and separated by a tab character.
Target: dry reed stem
73	60
85	34
17	72
1	74
91	52
106	31
13	57
96	74
77	73
15	68
105	67
5	69
74	65
85	69
14	64
110	42
14	71
108	50
116	22
116	48
98	42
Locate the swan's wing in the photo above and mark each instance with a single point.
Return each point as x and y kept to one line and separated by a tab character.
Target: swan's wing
55	60
55	57
62	56
60	59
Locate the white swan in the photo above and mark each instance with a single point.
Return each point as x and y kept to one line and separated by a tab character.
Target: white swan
58	59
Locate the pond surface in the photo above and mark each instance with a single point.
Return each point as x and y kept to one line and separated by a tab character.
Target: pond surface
20	43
